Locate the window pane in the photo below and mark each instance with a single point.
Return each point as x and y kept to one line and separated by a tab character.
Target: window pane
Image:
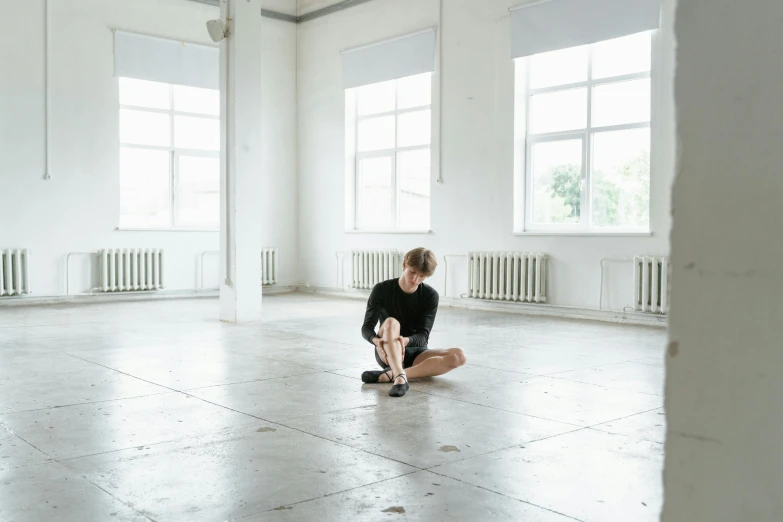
196	133
557	176
622	102
558	67
376	98
558	111
193	99
144	187
376	134
627	55
621	179
152	95
414	91
414	128
145	128
413	168
375	186
198	195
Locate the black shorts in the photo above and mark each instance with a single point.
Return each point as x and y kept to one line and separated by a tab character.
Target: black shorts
411	352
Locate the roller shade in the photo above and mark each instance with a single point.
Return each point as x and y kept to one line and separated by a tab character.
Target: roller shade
558	24
391	59
168	61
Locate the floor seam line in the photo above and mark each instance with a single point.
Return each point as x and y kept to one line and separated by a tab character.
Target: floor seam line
522	445
142	513
28	443
186	390
507	496
335	493
280	423
606	387
83	403
625	417
501	409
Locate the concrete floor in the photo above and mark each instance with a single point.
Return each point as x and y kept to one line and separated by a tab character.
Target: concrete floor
157	411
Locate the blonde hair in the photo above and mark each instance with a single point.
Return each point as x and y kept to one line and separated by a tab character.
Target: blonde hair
421	260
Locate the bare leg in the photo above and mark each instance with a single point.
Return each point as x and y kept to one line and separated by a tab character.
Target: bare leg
390	333
436	362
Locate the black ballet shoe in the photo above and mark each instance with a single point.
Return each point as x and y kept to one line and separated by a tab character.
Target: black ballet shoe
372	377
398	390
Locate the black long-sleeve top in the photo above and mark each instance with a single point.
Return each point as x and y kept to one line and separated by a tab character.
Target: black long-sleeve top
415	312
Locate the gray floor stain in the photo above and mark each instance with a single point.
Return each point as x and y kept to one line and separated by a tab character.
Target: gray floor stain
394	509
449	449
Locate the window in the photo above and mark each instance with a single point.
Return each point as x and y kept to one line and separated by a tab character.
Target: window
388	135
169	156
588	136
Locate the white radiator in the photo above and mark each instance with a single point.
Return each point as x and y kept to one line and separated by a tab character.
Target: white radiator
130	269
269	266
507	276
371	267
14	276
651	284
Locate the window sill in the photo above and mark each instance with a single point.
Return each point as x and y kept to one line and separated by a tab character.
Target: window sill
388	231
165	229
583	234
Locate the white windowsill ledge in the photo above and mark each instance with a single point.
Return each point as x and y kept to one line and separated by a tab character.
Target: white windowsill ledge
388	231
583	234
165	229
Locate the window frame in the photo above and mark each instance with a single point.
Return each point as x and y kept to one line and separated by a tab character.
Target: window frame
353	121
585	225
174	154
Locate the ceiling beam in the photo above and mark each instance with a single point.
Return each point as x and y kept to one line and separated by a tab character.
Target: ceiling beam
340	6
318	13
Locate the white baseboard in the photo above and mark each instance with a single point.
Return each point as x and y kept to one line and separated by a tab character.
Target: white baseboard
465	303
548	310
110	297
33	300
346	293
277	290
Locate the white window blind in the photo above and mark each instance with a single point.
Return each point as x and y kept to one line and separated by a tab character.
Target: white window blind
552	25
166	61
390	60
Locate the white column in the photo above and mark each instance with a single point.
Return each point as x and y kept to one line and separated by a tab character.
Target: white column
725	357
241	179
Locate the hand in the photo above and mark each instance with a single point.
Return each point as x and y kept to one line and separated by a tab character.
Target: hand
404	341
379	348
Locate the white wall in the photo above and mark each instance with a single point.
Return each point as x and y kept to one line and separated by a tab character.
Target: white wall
473	208
724	388
280	213
78	208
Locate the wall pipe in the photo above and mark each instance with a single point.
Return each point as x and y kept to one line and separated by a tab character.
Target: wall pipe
67	268
439	179
601	289
201	266
47	93
446	272
340	264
